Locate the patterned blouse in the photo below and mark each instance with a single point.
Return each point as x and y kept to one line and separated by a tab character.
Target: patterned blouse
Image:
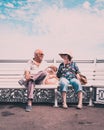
68	71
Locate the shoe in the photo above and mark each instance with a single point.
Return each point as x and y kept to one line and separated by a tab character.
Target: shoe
21	82
28	108
64	106
79	107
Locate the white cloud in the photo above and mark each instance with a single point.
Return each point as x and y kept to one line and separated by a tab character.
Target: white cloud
19	2
0	3
98	1
2	16
77	30
20	13
10	5
86	5
99	4
71	23
34	0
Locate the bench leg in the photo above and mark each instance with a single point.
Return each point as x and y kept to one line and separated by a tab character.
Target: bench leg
90	100
55	99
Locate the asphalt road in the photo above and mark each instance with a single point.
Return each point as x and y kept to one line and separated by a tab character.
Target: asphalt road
46	117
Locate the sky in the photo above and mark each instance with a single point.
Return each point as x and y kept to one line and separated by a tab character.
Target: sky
54	26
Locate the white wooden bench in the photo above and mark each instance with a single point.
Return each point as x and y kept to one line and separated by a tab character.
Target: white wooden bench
12	70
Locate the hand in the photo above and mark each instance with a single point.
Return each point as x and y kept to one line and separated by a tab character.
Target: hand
78	76
27	75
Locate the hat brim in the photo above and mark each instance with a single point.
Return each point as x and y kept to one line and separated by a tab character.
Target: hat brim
65	54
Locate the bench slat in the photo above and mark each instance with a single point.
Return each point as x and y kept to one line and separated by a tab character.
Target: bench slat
21	87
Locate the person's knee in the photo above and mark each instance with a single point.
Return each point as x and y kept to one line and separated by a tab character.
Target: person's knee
42	73
76	85
63	83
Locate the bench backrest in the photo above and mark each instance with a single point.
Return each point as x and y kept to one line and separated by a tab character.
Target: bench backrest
92	69
12	70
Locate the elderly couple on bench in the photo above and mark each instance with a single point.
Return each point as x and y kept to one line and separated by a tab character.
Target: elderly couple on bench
67	73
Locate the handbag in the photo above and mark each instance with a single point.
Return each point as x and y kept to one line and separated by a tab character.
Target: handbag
83	79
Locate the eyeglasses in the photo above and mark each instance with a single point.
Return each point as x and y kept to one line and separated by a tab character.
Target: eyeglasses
40	54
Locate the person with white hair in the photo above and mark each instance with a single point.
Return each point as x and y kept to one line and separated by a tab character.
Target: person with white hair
34	74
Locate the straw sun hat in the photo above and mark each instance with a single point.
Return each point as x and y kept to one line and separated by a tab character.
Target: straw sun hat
66	53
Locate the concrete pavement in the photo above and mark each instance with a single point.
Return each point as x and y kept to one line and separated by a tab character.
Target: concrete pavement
46	117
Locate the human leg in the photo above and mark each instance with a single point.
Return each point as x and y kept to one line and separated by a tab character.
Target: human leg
64	104
78	89
80	97
36	79
30	90
39	77
63	83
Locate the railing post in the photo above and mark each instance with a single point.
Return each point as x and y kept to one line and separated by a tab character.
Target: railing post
91	95
55	99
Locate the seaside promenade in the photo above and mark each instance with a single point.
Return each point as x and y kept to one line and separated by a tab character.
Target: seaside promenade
46	117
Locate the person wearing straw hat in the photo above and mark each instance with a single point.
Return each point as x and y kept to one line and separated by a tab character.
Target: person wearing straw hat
68	73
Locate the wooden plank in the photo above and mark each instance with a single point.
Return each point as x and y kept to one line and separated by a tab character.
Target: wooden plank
22	87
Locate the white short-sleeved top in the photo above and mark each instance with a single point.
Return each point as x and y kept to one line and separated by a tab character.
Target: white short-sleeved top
33	68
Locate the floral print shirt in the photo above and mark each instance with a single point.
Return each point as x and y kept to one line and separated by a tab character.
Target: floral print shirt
68	71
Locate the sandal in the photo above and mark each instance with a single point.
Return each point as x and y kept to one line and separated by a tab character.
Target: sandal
79	107
64	106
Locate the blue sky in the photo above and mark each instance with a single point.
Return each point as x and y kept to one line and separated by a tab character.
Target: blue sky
52	25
